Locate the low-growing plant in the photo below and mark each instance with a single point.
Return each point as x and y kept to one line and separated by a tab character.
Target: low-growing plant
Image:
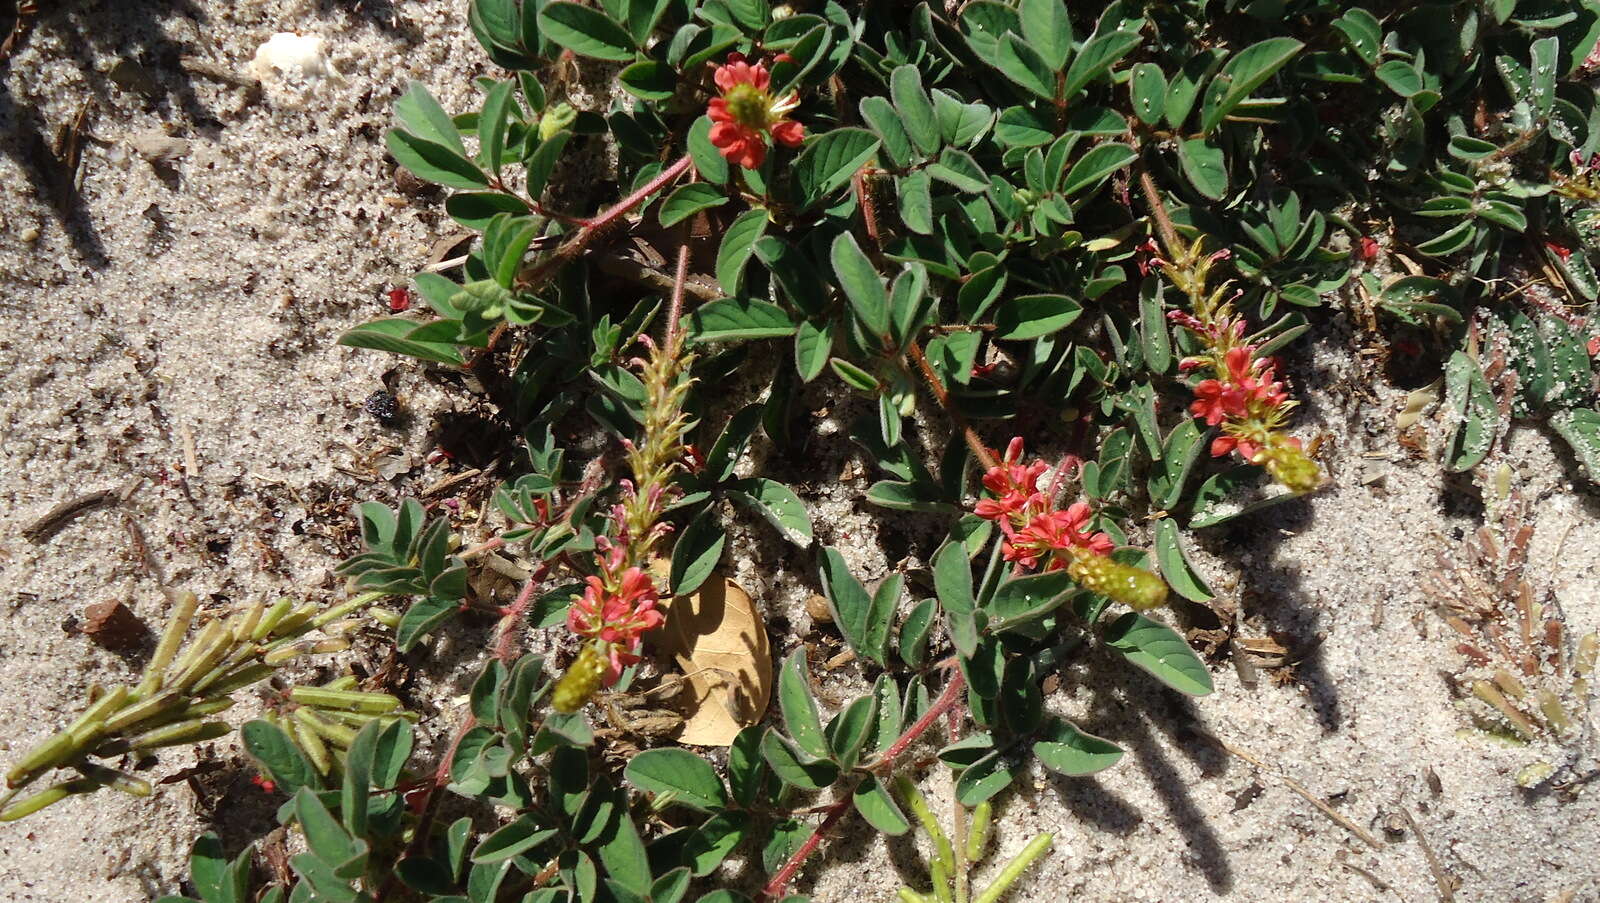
970	226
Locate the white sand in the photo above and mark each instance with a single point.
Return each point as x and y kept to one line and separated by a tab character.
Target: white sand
215	317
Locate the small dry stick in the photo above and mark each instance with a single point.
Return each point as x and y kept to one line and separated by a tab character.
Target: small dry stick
63	514
1440	877
1310	797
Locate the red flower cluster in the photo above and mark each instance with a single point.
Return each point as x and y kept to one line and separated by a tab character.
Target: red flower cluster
1035	531
617	612
747	112
1249	380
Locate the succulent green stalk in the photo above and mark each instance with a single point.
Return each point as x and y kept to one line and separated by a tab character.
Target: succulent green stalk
1013	870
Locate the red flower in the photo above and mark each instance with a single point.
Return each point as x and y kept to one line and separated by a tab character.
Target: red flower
1215	402
1561	251
1056	531
618	618
399	298
747	112
1367	248
1015	484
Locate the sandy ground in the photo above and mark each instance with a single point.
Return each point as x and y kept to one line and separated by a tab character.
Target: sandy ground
196	303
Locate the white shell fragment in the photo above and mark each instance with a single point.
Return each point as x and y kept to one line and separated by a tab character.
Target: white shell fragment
292	54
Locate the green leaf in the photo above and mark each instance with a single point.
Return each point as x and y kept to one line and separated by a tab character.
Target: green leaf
690	199
796	274
850	729
1159	650
728	319
1069	751
916	110
516	838
794	766
708	161
864	620
776	503
1155	338
1032	316
1096	58
1097	165
984	778
1204	166
1580	427
585	31
325	837
422	116
878	807
952	581
957	168
208	869
914	632
1023	127
649	80
861	283
1363	32
1175	566
799	706
690	779
433	162
1027	598
1477	418
1020	63
878	113
1401	77
1147	90
853	376
1245	72
278	756
812	347
746	770
696	553
423	616
713	841
492	125
829	161
1048	29
391	335
738	243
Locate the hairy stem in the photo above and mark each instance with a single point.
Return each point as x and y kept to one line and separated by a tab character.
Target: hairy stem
982	452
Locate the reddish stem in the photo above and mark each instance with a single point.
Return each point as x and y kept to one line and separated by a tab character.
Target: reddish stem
786	874
505	647
680	277
945	703
946	700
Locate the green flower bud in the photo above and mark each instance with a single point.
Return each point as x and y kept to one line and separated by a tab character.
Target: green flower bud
581	680
1136	588
555	119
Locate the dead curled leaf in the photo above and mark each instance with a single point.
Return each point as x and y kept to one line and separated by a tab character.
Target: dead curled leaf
718	639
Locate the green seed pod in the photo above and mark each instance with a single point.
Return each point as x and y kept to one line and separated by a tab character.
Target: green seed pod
580	681
1136	588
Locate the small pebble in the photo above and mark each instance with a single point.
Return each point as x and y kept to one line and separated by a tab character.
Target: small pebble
383	407
817	608
112	625
29	235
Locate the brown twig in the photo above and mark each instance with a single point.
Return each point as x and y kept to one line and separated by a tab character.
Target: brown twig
1440	876
63	514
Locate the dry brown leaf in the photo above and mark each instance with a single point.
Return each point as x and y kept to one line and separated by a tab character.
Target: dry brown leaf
720	642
